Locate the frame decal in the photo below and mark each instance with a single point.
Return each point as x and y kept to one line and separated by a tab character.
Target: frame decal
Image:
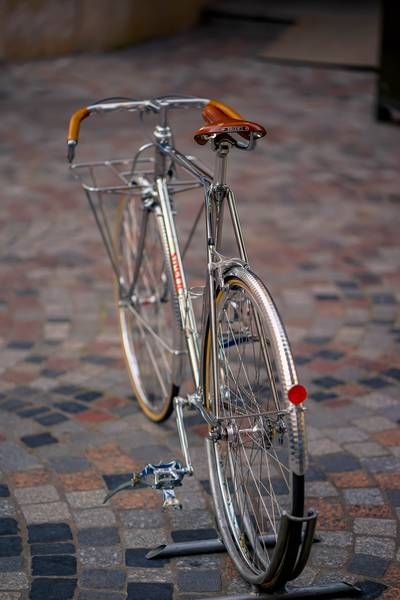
177	272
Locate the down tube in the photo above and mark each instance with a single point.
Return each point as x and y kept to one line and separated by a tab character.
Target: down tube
173	254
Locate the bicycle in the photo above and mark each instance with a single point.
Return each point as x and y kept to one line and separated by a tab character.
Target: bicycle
245	385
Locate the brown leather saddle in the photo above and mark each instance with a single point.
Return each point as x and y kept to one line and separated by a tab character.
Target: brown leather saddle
225	122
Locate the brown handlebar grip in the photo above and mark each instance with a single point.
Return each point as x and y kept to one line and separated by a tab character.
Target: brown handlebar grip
75	122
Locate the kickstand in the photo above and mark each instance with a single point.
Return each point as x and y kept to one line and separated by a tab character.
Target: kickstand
333	590
214	545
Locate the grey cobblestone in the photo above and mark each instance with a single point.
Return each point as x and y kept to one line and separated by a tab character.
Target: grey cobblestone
144	538
69	464
100	579
205	561
103	556
98	536
330	556
371	496
142	519
13	457
379	464
375	423
347	434
368	526
37	494
13	581
96	517
376	400
185	519
148	574
7	508
323	446
43	513
374	546
321	488
363	449
87	499
199	581
336	538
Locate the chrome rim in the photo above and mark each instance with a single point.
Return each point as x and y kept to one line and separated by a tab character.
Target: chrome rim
146	316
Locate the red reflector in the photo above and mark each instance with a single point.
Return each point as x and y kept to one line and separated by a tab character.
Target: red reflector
297	394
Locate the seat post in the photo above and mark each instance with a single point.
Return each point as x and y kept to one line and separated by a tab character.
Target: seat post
221	159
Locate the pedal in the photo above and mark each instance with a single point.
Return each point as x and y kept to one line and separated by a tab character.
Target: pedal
163	476
170	500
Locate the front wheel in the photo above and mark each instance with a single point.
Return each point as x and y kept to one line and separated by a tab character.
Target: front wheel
257	457
150	335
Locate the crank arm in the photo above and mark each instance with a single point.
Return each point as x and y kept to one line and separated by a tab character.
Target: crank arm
131	483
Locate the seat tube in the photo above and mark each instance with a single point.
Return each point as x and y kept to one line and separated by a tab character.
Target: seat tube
212	221
214	205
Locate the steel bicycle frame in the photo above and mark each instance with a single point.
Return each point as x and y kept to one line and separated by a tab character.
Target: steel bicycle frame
216	192
156	197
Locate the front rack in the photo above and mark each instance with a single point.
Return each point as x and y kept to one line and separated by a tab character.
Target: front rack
107	184
117	176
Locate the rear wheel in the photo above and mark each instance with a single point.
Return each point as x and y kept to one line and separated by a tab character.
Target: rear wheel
146	309
260	438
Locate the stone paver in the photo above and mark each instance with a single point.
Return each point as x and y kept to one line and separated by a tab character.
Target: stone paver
319	200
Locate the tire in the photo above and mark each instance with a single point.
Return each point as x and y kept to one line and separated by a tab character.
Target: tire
148	324
257	464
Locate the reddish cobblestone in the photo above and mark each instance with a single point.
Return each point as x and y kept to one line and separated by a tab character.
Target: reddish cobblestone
381	512
351	390
324	366
19	377
93	417
30	478
110	402
392	574
391	594
330	514
67	364
26	330
98	453
351	479
82	481
110	459
390	437
138	499
388	480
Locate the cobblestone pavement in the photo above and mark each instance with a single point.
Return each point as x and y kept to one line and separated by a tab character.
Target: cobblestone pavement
320	202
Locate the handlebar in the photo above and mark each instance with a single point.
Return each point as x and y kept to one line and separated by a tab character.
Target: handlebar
155	105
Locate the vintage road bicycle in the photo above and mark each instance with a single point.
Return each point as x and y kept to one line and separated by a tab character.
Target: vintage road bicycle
244	381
